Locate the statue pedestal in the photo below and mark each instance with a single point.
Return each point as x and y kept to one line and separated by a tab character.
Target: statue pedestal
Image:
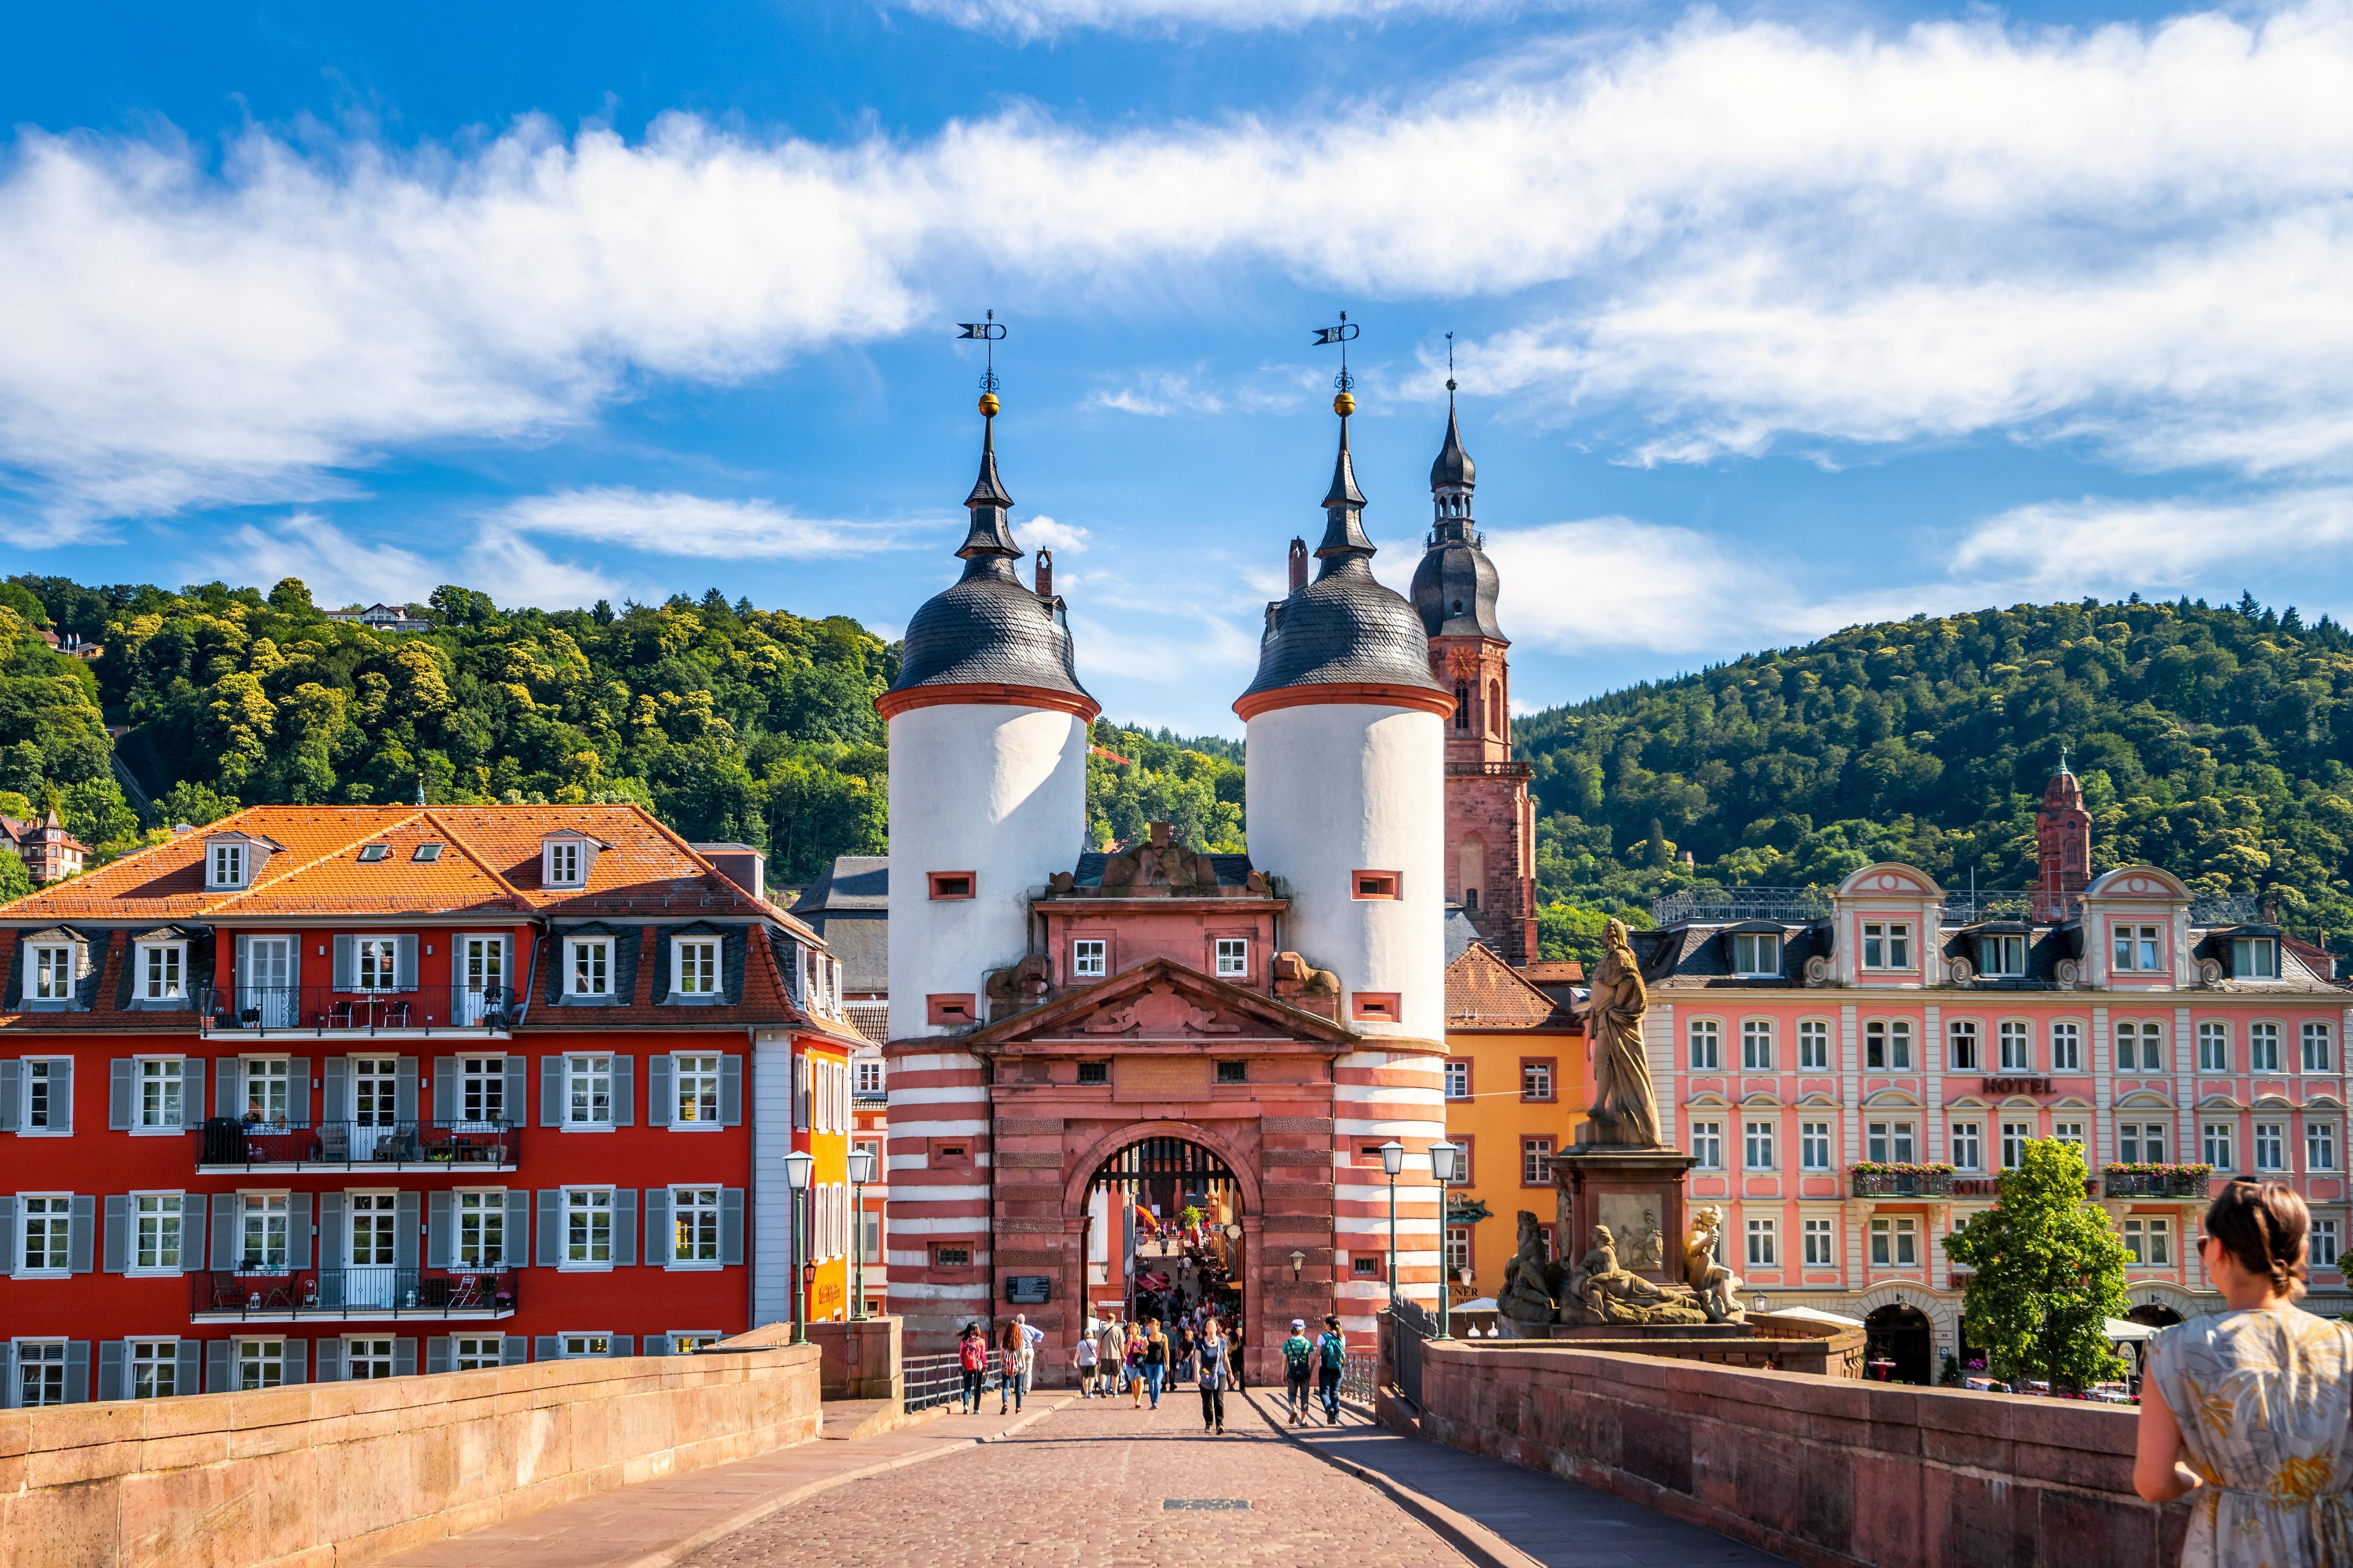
1637	1192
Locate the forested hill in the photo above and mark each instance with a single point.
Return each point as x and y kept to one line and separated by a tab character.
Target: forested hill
2212	741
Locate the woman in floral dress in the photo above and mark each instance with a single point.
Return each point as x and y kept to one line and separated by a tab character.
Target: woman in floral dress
2252	1410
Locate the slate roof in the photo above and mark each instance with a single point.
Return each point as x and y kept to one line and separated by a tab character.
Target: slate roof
1454	587
849	906
1233	870
852	883
1693	957
1459	933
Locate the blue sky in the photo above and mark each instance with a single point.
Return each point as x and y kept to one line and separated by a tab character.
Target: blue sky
1769	319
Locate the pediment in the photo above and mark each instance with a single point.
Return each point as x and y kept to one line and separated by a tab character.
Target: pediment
1163	1002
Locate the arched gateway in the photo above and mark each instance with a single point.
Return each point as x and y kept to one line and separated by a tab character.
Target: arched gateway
1163	1232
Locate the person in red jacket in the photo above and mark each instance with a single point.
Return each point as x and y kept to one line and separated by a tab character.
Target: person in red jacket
972	1351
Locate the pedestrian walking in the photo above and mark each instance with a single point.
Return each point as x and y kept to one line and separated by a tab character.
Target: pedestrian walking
1083	1358
1156	1361
972	1354
1132	1357
1215	1371
1018	1346
1298	1367
2257	1400
1110	1353
1331	1361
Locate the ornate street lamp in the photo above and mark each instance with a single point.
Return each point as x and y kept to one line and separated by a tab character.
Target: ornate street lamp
861	1170
1393	1162
799	1164
1442	1158
1298	1262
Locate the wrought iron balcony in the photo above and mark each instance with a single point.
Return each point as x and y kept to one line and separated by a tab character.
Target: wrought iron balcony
2155	1183
253	1293
1902	1183
226	1144
415	1012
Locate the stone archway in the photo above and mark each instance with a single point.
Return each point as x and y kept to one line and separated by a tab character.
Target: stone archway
1900	1342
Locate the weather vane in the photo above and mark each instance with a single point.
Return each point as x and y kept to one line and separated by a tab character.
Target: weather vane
1343	334
1450	362
987	331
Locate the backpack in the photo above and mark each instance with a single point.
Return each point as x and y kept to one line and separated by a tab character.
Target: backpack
1334	1351
1296	1354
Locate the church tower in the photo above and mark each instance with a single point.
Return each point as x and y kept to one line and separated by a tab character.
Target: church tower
1490	817
2062	844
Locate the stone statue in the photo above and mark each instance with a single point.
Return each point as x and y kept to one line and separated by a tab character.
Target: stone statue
1711	1281
1600	1292
1157	861
1530	1293
1624	1110
1018	987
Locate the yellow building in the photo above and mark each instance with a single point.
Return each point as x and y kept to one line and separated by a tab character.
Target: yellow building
1515	1090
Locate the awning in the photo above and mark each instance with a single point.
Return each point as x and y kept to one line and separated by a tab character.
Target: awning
1815	1315
2125	1332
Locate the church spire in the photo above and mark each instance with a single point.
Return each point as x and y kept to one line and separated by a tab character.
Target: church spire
1344	526
990	533
1452	476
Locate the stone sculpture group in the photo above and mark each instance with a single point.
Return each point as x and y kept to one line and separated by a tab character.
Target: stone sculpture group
1596	1291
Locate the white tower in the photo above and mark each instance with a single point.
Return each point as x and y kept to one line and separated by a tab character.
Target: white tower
988	799
1346	788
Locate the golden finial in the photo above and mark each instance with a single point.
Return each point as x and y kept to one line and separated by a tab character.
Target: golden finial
988	405
1343	405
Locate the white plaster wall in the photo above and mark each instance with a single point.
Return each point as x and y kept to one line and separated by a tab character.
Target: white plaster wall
1335	788
995	790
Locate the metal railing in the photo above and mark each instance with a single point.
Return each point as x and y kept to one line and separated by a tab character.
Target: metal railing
253	1291
1411	1328
2154	1185
938	1379
345	1145
1360	1377
330	1009
1900	1184
1710	905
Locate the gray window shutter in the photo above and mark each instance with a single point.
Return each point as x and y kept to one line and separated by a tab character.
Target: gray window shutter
9	1390
298	1232
297	1362
228	1087
550	1227
61	1103
623	1345
625	1225
110	1355
514	1350
298	1091
192	1090
731	1224
403	1091
517	1239
337	1106
189	1355
731	1091
220	1368
437	1216
76	1372
331	1361
403	1229
658	1227
661	1110
192	1232
82	1234
118	1108
551	1091
116	1249
7	1233
333	1218
347	963
445	1108
12	1090
404	1356
516	1088
224	1234
440	1354
625	1094
404	962
547	1347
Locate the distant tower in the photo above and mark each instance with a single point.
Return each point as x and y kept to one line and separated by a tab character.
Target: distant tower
2062	843
1490	818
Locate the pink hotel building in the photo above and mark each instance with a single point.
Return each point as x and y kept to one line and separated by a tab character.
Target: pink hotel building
1798	1040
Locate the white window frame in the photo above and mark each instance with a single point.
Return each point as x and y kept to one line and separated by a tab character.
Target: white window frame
1756	1045
2216	1140
1895	1241
581	1201
1891	1142
1820	1243
158	1361
580	1091
262	1208
2068	1132
2317	1034
2142	1141
2271	1147
477	1240
578	1346
1963	1040
1090	957
1887	947
2130	943
48	1357
2324	1253
1764	1249
49	978
56	1221
865	1067
466	1352
169	958
1455	1079
2263	1045
1968	1146
1708	1145
2066	1046
2213	1046
1756	1146
2003	956
1232	957
260	1361
700	1084
170	1082
2320	1146
1895	1038
57	1113
265	1074
1813	1045
2015	1136
378	1357
376	965
695	1205
2014	1044
1814	1145
563	863
1706	1037
596	955
1756	954
699	959
224	865
163	1212
2254	958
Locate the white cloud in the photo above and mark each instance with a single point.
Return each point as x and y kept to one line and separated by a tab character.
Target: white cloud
515	571
1033	18
1042	532
336	568
674	523
2101	545
1272	389
1735	235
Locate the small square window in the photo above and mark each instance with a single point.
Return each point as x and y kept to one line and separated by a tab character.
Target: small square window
1094	1072
1089	958
954	1009
1233	1072
1373	1006
1536	1078
952	884
1375	885
371	853
1233	957
428	852
951	1256
1366	1267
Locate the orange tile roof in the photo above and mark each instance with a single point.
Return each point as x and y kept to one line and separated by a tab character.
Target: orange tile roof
1483	991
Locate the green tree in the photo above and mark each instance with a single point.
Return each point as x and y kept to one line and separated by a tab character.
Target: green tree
2047	1272
15	882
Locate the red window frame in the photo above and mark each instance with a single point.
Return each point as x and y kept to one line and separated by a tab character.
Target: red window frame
1551	1066
944	889
1375	885
1373	1006
949	1007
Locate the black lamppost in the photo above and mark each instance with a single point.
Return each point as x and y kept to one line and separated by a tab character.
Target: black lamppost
861	1170
1442	1158
797	1167
1393	1162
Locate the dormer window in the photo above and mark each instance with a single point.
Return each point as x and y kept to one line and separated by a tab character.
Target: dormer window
428	853
2254	958
163	971
2002	955
694	974
1756	953
227	866
53	973
564	864
2136	949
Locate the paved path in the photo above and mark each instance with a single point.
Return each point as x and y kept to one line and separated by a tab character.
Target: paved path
1557	1523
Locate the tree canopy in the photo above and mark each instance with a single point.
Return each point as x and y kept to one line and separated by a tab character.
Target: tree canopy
2047	1272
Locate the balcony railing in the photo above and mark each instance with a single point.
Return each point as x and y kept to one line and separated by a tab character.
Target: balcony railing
329	1010
227	1143
1902	1183
2154	1185
254	1293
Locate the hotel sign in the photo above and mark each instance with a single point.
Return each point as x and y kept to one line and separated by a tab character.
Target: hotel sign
2014	1086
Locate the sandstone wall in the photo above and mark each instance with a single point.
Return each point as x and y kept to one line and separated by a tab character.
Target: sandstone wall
343	1473
1821	1470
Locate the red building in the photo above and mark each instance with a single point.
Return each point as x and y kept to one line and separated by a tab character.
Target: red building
354	1092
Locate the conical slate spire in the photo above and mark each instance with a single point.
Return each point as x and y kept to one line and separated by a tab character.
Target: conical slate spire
1454	586
1344	529
1453	470
990	534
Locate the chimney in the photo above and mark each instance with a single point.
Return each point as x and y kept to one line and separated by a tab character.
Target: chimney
1298	564
739	863
1045	574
